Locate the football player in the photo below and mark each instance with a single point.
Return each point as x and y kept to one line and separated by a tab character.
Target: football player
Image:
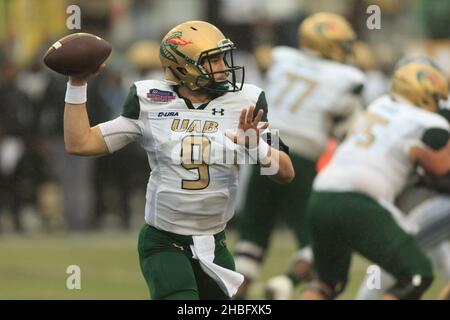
351	207
184	123
309	90
427	203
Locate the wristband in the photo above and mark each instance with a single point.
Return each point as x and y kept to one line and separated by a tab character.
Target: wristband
263	152
76	94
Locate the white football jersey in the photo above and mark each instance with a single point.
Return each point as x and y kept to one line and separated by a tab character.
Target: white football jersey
191	191
374	158
303	92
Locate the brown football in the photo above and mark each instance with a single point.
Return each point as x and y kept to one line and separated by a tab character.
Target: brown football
77	54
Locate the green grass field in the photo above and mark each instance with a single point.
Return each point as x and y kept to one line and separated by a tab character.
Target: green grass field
34	266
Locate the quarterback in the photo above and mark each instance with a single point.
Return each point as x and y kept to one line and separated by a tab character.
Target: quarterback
351	207
181	122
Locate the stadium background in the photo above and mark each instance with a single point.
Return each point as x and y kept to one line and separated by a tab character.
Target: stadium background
58	210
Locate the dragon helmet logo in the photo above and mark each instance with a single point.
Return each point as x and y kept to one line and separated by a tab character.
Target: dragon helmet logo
173	42
429	80
179	42
330	29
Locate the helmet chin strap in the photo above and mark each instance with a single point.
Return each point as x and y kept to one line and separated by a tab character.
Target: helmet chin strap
224	86
220	86
215	90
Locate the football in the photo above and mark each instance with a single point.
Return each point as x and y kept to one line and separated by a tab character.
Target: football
77	54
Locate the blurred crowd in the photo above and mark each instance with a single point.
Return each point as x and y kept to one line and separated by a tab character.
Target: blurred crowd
62	191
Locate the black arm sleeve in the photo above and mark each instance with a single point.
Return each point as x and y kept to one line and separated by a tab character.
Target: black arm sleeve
358	89
281	146
435	138
445	113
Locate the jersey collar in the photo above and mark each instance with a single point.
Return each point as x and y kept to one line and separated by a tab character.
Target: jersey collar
189	103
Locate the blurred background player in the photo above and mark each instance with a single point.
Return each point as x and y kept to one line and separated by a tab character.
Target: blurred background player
426	204
309	91
351	208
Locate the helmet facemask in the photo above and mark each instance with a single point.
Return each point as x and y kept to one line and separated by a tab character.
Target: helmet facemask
340	51
206	80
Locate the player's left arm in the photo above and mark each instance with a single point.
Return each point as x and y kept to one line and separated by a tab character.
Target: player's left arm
435	156
286	172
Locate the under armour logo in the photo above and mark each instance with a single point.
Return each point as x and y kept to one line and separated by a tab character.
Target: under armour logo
221	111
178	246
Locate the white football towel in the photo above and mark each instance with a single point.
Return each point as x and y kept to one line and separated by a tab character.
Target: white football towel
203	250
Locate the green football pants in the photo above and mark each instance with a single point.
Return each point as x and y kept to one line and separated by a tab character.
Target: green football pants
342	222
171	272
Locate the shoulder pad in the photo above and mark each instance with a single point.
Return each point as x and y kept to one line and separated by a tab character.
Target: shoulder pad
251	91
